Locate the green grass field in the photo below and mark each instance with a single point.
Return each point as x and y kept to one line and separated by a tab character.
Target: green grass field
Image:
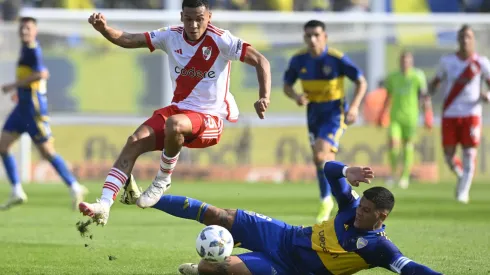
40	237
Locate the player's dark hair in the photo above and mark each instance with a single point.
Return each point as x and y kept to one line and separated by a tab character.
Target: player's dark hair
28	19
314	24
464	28
382	198
195	4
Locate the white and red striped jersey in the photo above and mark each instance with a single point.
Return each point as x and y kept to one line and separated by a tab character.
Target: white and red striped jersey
461	83
200	70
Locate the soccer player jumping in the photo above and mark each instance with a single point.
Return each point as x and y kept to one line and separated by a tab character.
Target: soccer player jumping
31	115
354	240
461	74
405	87
322	71
200	56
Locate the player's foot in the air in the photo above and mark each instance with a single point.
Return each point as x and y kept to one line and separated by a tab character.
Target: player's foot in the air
77	195
326	208
97	211
132	192
154	192
463	197
188	269
16	198
404	183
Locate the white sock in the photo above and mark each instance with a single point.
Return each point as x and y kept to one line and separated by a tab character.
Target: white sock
113	183
469	157
75	187
17	189
167	166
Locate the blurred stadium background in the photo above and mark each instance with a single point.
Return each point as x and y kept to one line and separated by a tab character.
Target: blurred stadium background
99	93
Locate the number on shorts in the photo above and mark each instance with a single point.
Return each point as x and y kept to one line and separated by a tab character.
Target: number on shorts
210	123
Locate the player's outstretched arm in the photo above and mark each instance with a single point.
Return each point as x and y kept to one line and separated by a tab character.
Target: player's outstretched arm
361	88
339	176
35	76
262	66
117	37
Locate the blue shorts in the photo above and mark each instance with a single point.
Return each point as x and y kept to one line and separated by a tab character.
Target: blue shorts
270	241
20	121
326	121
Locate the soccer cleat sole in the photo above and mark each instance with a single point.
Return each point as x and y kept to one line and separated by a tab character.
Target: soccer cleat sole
85	210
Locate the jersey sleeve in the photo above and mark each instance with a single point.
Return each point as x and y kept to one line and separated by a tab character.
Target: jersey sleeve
342	191
422	82
232	47
291	73
485	69
157	39
36	59
349	68
388	256
441	70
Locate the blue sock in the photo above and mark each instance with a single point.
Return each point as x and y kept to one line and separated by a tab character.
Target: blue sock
60	166
325	189
11	168
182	207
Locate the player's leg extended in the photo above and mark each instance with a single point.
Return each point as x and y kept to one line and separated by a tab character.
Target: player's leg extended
141	141
394	142
450	139
250	230
47	151
18	195
177	127
408	135
470	140
323	151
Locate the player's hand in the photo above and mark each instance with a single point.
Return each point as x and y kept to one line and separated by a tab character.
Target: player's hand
428	119
97	20
8	88
485	97
261	106
356	175
301	100
352	115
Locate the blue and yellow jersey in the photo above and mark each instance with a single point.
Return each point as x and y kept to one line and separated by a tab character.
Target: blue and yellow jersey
337	247
322	77
32	98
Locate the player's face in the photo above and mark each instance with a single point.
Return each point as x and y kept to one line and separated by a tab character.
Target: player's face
315	38
195	21
466	40
367	216
28	32
406	61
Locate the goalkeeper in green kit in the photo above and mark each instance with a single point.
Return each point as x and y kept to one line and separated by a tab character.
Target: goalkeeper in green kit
406	92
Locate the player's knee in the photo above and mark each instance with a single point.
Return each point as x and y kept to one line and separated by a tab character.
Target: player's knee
218	216
174	126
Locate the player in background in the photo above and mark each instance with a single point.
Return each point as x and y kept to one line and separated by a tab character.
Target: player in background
322	70
461	74
31	115
354	240
405	88
200	56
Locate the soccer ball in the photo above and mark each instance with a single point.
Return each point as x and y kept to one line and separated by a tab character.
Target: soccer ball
214	243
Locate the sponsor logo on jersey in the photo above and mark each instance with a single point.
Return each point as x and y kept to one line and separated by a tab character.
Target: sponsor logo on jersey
193	72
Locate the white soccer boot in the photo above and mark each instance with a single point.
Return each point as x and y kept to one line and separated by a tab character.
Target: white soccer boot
404	183
132	192
188	269
97	211
154	192
16	198
77	195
